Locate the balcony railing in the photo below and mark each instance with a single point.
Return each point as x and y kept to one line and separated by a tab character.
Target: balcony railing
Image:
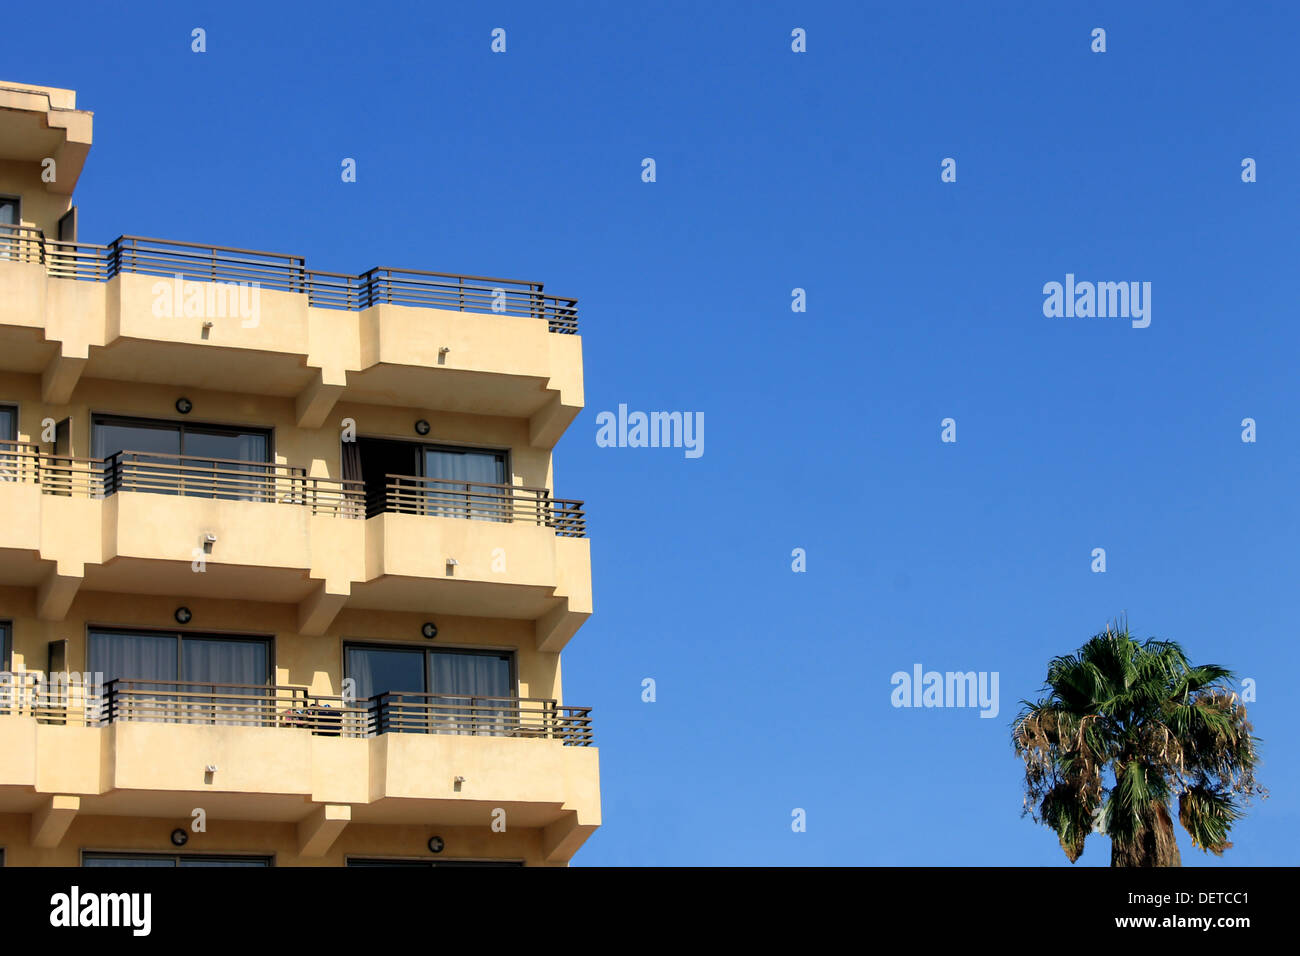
185	475
231	480
444	498
292	707
286	273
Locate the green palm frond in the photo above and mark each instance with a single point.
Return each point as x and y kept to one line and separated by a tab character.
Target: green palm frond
1140	712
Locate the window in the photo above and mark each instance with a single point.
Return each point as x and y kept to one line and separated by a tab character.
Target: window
169	859
430	479
459	483
10	215
421	690
8	433
148	665
5	649
216	458
378	861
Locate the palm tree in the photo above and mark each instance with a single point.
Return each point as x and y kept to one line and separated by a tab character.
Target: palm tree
1138	716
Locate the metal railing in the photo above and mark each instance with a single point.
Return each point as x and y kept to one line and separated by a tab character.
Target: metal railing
480	501
286	273
412	713
231	480
292	707
185	475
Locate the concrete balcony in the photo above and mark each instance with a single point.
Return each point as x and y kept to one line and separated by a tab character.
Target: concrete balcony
171	313
139	523
138	748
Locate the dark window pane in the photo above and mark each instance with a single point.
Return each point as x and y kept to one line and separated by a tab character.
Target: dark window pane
379	669
218	443
390	671
223	861
110	438
232	482
390	863
104	859
8	424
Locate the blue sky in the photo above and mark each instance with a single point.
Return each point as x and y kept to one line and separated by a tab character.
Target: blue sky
821	171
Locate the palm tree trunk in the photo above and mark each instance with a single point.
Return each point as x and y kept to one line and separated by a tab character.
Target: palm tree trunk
1155	845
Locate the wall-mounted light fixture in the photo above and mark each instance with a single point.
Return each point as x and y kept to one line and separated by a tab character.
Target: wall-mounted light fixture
436	844
422	427
184	406
209	540
180	837
429	630
184	615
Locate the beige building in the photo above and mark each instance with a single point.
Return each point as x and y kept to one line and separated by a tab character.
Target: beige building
283	577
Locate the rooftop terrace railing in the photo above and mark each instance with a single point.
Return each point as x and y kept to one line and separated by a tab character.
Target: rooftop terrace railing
28	694
286	273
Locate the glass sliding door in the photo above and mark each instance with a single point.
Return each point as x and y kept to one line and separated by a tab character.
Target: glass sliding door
466	684
393	680
239	662
473	692
237	454
147	473
9	465
10	239
464	486
232	463
161	675
144	665
169	859
378	861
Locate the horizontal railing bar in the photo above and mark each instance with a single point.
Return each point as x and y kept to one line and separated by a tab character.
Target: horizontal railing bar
198	245
150	255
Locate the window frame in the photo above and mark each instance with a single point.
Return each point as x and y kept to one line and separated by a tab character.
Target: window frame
268	640
262	860
404	861
112	418
511	653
